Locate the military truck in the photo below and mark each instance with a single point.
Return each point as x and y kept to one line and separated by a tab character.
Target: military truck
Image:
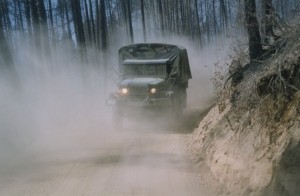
153	80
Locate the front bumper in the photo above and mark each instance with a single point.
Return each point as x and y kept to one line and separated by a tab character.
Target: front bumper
145	103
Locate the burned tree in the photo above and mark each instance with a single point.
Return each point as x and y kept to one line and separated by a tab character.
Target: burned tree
255	47
78	23
268	21
5	53
126	8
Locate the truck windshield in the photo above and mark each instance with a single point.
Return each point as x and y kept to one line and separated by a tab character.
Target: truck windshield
145	70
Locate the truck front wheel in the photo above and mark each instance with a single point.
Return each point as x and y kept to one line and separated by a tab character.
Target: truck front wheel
174	109
118	118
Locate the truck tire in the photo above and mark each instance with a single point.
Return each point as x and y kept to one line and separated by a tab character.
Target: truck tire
174	109
178	107
118	119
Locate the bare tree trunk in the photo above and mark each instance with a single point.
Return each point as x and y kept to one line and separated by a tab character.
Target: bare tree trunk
268	21
126	5
143	21
5	52
68	20
130	21
229	13
104	41
199	37
189	18
60	10
173	18
78	24
161	17
20	16
88	23
177	18
43	25
166	16
51	24
224	16
201	20
255	47
207	21
35	25
92	22
98	25
183	17
112	21
215	18
28	17
103	26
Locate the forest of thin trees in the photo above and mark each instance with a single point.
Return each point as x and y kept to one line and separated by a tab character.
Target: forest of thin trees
101	24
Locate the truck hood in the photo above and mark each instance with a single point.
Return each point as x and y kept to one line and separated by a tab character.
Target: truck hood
141	81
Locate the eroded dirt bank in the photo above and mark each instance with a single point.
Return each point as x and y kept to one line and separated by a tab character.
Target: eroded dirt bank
250	140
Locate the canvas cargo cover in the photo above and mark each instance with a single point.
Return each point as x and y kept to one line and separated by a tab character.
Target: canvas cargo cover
148	53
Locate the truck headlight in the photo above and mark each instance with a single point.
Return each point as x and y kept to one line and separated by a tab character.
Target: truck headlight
124	90
153	90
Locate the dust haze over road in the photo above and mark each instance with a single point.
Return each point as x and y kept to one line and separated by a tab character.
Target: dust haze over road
57	137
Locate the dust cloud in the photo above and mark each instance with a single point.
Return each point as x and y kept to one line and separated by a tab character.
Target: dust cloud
57	106
60	97
54	102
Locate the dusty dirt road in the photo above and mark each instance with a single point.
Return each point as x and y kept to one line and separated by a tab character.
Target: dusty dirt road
134	161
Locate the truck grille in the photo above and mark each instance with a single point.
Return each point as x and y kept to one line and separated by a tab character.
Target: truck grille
138	92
